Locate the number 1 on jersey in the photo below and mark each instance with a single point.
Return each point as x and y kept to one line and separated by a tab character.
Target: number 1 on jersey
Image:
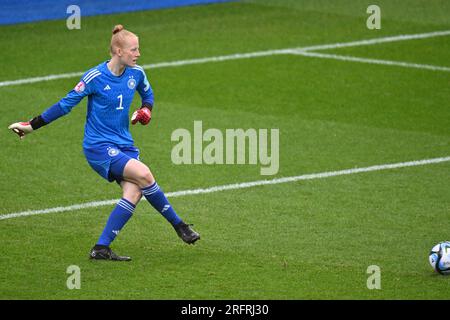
120	97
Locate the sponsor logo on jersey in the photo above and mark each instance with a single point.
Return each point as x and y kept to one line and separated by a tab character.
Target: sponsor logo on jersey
131	83
80	87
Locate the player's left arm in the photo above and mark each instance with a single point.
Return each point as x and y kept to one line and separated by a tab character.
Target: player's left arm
144	113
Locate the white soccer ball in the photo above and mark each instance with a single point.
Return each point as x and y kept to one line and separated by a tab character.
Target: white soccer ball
440	257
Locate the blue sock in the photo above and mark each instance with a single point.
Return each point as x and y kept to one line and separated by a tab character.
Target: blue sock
158	200
119	216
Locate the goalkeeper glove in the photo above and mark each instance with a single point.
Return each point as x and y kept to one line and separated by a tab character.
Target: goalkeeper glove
143	115
21	128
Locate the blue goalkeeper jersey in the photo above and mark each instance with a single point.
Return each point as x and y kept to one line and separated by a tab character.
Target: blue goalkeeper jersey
109	100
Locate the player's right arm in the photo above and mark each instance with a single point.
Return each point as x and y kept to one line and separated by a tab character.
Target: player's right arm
59	109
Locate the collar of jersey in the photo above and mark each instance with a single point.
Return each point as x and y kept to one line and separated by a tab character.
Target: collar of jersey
111	74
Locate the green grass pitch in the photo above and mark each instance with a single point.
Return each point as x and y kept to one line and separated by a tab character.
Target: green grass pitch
310	239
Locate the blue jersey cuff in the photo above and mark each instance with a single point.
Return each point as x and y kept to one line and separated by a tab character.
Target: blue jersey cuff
147	102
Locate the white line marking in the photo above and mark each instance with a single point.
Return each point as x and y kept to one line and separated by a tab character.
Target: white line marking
241	56
373	61
80	206
378	40
40	79
236	186
235	56
155	66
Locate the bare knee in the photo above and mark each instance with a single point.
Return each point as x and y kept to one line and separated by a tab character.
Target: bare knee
138	173
145	178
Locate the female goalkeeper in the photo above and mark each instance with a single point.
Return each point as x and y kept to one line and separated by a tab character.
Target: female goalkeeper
108	145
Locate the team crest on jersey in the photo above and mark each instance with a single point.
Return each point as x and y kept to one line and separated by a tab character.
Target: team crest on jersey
113	152
131	83
80	87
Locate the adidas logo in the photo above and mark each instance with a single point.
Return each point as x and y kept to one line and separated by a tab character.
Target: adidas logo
166	207
107	87
116	232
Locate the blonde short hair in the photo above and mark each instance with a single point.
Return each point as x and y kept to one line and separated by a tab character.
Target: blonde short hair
118	39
